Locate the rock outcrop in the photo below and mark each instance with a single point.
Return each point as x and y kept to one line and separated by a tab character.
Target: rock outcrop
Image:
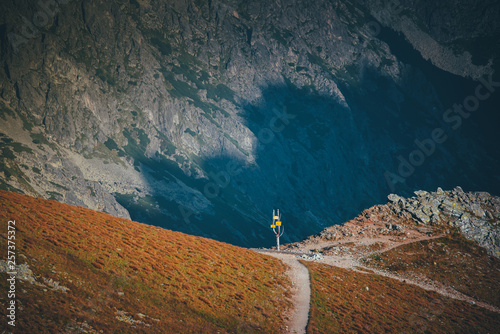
204	116
477	215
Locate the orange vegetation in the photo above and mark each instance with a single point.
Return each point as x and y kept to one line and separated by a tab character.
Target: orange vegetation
345	301
452	260
126	277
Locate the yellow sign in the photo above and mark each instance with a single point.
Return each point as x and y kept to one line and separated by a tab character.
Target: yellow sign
278	223
273	226
276	217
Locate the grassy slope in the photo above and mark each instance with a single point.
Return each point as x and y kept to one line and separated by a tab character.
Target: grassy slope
169	281
451	260
340	303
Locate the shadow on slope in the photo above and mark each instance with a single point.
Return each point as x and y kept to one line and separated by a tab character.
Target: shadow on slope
320	162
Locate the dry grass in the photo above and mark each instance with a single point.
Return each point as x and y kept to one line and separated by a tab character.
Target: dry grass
345	301
452	260
166	282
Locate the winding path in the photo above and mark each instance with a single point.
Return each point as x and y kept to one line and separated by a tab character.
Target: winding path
298	316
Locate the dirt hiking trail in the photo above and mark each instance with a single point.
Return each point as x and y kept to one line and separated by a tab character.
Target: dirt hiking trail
298	316
350	252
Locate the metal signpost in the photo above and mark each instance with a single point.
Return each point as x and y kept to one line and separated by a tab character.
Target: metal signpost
277	225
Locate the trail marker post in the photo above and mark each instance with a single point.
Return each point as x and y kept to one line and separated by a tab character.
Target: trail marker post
277	225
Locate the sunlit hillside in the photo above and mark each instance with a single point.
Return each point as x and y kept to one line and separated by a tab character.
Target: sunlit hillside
83	271
87	271
345	301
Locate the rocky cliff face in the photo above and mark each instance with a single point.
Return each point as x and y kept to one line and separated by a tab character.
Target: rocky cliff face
203	116
477	215
431	28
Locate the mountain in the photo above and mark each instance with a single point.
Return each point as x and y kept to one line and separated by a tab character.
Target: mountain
83	271
203	116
